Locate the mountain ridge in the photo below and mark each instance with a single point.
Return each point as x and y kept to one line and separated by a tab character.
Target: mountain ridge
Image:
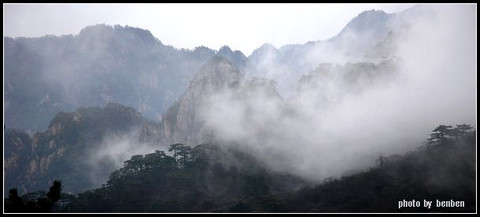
99	65
218	74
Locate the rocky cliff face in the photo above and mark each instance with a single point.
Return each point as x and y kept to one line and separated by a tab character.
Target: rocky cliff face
78	143
130	66
64	150
101	64
182	123
127	65
18	151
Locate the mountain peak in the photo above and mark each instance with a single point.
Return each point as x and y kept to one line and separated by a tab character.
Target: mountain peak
366	26
268	46
372	12
126	32
225	49
95	28
265	49
367	20
237	57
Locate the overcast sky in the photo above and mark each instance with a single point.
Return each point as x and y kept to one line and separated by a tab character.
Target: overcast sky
242	27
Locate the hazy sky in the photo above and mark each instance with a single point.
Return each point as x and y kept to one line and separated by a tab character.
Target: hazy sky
243	27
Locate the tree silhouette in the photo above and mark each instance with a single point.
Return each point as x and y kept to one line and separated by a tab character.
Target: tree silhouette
15	204
440	133
185	153
462	129
175	148
55	191
135	164
182	153
443	132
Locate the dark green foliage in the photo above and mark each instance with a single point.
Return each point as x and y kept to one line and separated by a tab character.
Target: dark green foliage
43	203
443	171
255	186
443	132
269	203
181	153
194	181
240	207
462	129
208	178
440	133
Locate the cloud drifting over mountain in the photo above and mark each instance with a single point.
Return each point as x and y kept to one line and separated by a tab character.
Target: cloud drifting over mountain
432	82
